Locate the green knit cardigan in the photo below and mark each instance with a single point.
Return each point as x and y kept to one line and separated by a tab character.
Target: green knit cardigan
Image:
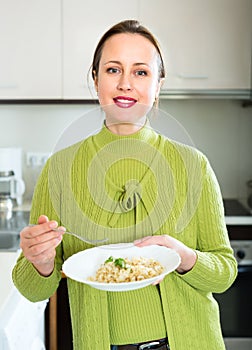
123	188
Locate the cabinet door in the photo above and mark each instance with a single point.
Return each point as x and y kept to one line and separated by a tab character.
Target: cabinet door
30	49
84	22
206	43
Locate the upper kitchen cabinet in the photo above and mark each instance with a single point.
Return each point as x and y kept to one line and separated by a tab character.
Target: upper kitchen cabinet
84	22
207	44
30	47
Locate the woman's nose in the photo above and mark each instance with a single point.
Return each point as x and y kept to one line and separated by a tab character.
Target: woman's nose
124	83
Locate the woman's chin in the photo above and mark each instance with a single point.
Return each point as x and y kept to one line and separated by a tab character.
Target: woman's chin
135	114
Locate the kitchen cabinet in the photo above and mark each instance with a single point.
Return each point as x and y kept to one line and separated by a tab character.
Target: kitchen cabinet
30	47
84	22
47	46
206	44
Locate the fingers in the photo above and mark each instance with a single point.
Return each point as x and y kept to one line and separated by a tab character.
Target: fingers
143	241
42	219
39	242
188	255
39	234
150	240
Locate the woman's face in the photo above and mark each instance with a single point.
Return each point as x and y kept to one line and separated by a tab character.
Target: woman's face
128	77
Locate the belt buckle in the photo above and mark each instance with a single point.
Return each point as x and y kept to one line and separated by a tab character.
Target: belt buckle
147	345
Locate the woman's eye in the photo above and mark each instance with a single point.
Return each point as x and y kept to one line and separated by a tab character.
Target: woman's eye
141	73
112	70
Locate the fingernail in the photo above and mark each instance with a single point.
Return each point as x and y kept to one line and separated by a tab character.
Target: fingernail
53	224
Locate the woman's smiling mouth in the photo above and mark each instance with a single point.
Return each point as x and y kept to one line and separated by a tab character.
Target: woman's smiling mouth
124	101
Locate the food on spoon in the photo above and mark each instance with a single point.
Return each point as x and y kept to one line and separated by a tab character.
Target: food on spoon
118	270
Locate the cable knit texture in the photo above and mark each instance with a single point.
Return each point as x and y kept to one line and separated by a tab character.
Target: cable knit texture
123	188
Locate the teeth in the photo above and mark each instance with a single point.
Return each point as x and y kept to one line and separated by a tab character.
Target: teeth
124	101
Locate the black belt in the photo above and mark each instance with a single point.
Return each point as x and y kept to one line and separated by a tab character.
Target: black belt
161	344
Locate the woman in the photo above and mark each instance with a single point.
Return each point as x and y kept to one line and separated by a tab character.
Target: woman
129	183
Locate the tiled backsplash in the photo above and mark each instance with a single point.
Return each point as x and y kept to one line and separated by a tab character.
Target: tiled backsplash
222	129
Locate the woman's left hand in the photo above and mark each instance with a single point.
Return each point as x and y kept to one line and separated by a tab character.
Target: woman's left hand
188	256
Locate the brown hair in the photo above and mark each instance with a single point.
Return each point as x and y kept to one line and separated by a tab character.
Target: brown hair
127	26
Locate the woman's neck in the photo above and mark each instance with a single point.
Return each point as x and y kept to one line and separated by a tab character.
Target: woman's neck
125	128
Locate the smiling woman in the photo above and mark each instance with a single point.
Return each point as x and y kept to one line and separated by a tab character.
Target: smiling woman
128	69
127	76
129	184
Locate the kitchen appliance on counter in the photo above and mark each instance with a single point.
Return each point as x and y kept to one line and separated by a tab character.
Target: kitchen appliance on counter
10	190
12	186
236	303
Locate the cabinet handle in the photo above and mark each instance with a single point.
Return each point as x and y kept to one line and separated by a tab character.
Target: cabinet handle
189	76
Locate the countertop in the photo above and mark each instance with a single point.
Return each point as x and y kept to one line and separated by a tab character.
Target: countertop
25	206
238	220
236	214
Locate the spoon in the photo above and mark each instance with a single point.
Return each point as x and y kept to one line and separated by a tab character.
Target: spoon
89	241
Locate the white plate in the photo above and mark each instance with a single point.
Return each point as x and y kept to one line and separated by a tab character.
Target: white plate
84	264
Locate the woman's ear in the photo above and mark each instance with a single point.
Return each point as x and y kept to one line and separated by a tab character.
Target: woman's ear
159	85
95	80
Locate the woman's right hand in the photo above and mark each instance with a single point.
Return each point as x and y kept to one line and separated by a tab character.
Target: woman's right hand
39	243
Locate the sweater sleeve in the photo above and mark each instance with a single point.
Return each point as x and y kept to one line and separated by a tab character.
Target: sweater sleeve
216	267
25	277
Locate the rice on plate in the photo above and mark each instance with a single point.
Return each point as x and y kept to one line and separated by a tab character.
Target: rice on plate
83	266
119	270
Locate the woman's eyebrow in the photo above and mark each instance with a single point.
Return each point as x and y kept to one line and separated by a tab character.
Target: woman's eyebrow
115	62
120	63
141	64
